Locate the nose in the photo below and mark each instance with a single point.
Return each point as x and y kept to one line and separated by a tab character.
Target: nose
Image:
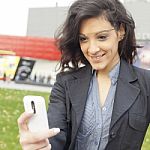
93	48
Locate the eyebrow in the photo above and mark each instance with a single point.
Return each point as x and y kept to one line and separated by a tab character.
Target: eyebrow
107	30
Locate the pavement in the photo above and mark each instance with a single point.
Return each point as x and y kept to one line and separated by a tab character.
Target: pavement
21	86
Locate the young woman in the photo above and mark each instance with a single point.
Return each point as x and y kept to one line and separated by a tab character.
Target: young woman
103	104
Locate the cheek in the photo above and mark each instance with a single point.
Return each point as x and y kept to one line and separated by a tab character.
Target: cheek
106	47
113	47
83	49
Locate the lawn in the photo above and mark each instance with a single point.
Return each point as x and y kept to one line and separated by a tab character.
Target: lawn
11	107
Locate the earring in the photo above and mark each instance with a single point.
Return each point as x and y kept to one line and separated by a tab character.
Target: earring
121	37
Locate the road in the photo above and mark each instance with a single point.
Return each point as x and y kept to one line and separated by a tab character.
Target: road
18	86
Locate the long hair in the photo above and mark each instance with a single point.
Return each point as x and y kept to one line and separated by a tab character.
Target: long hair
68	36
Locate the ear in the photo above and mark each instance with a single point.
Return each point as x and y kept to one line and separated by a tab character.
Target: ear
121	32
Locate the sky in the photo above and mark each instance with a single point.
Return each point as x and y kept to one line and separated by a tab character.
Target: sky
14	14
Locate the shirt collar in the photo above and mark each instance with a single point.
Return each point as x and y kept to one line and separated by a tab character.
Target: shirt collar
114	73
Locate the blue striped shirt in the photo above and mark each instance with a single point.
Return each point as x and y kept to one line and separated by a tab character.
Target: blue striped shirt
93	132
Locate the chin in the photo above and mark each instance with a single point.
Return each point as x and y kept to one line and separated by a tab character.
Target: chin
98	67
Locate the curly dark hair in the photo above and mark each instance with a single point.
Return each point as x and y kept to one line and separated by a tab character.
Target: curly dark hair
68	36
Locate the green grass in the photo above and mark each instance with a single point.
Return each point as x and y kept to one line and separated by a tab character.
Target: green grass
11	106
146	144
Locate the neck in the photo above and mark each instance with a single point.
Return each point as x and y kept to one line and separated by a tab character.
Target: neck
105	73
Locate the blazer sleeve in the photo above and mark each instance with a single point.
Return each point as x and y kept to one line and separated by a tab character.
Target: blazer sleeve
57	114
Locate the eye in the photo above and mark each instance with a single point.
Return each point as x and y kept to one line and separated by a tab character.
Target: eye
82	39
102	37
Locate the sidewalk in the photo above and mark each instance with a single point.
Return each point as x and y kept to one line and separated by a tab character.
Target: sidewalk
13	85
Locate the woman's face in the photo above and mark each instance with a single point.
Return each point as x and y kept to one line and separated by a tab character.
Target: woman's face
99	43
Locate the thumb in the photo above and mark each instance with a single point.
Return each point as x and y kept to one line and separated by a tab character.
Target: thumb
39	136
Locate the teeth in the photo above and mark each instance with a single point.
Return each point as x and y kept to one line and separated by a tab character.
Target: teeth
98	57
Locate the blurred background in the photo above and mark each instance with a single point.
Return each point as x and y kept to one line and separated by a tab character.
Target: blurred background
29	57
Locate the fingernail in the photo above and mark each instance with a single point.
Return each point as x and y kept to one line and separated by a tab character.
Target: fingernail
50	146
56	130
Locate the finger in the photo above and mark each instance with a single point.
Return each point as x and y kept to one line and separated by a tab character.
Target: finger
22	121
47	148
48	133
39	145
33	137
50	146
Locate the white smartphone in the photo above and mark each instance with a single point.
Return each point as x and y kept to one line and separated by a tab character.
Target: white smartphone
36	104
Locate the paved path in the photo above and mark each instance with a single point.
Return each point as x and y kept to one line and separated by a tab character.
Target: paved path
13	85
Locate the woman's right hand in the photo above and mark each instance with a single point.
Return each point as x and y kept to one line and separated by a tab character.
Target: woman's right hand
36	140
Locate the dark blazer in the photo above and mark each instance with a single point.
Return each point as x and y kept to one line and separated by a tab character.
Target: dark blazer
131	111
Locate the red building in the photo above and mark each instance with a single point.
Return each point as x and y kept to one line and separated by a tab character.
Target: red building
27	46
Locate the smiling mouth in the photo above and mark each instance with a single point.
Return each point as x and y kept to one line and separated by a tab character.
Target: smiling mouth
98	57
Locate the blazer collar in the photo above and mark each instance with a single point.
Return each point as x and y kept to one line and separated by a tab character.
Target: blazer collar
78	90
126	72
126	92
81	73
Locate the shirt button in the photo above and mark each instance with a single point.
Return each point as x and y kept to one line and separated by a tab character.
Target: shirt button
96	143
112	135
104	108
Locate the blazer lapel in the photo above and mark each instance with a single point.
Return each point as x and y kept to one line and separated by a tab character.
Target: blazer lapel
126	92
78	90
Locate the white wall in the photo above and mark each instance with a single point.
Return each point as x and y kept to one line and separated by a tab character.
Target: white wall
44	67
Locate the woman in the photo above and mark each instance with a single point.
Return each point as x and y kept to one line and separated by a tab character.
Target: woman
100	100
